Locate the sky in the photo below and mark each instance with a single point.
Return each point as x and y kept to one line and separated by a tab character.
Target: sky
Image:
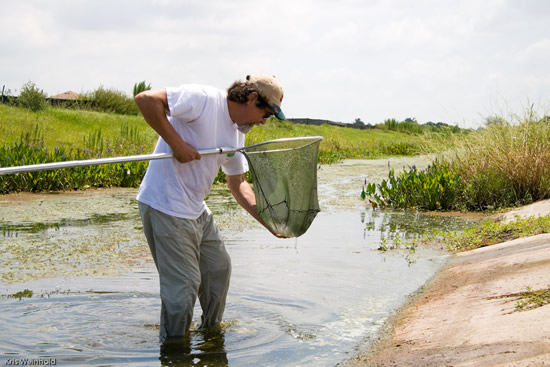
457	62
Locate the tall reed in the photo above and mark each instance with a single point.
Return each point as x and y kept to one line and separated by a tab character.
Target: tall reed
506	164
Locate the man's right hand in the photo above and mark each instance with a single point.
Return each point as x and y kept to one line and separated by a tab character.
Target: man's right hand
153	105
185	152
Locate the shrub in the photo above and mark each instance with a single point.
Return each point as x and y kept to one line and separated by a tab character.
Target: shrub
32	98
111	101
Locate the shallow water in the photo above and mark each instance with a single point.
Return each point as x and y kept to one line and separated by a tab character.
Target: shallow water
309	301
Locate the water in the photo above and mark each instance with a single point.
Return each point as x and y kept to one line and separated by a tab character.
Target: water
310	301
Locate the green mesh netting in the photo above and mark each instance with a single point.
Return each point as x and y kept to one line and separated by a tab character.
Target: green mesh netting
284	176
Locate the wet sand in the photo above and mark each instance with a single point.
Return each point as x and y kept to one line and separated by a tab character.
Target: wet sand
466	315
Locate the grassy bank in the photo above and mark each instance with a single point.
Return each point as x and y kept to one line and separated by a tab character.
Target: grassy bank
84	129
76	129
503	165
57	134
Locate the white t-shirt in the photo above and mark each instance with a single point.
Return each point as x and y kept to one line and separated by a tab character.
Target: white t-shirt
201	117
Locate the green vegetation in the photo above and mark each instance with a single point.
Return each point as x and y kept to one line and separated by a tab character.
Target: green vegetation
506	164
140	87
26	293
434	188
71	128
109	101
343	143
489	233
503	165
531	299
32	98
120	175
411	126
58	134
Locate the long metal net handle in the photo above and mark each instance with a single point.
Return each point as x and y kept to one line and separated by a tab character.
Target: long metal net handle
136	158
98	161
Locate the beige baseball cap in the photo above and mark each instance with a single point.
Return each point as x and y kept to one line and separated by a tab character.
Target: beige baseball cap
269	89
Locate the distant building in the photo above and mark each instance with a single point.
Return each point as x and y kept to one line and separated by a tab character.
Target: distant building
67	95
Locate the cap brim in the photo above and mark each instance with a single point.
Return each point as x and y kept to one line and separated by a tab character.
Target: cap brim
278	112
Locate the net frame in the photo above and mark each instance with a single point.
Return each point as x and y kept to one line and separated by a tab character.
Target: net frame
284	178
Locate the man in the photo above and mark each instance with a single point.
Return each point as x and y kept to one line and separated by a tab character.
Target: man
185	243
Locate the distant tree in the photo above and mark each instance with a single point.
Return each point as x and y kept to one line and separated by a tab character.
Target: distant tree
140	87
32	98
359	122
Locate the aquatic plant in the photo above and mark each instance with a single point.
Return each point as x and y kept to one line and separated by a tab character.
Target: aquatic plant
435	188
26	293
23	153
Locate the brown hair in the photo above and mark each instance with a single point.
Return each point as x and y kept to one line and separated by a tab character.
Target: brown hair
239	92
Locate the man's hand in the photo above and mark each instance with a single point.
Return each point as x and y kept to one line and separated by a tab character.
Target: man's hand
185	152
243	193
153	105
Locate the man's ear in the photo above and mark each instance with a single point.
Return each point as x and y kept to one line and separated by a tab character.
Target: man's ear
252	97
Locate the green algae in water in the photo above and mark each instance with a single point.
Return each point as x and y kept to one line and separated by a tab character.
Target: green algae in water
26	293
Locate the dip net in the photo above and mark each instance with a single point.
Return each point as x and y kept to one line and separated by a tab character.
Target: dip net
284	176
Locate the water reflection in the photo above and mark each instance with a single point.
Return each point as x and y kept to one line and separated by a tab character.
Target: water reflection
408	224
199	348
12	230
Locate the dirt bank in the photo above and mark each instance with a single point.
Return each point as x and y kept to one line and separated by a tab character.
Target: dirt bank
466	316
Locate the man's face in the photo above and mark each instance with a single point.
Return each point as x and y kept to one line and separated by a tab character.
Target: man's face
254	115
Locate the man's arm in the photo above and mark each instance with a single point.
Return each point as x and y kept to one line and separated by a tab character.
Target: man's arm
153	105
243	193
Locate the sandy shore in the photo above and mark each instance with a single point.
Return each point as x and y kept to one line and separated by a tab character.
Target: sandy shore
466	315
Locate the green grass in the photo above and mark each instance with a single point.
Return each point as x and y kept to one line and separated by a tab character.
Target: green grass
342	143
58	134
505	164
70	128
489	233
529	299
74	128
